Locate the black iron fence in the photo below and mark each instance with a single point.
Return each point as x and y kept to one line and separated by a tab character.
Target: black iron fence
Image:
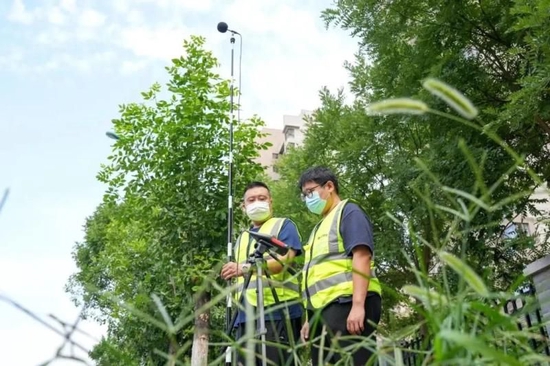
529	317
413	350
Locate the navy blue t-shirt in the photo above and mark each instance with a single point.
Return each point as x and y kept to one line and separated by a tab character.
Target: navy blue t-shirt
288	235
356	230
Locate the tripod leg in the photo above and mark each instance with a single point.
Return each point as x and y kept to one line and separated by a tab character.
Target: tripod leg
240	302
231	324
260	306
286	321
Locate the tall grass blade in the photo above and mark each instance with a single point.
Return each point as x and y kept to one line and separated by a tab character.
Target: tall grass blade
163	312
452	97
427	296
478	345
4	198
467	273
397	106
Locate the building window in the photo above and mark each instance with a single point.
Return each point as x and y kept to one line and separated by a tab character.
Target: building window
516	228
289	133
290	145
275	169
274	156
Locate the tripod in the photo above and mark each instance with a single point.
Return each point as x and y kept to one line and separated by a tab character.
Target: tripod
257	261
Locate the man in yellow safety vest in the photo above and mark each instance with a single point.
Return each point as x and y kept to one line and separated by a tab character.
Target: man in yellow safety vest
339	286
258	207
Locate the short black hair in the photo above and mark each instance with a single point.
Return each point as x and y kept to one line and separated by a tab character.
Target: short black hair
320	175
255	184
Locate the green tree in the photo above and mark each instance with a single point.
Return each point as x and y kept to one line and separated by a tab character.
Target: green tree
496	52
151	249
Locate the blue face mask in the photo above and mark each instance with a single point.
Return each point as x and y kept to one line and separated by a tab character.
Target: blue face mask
315	204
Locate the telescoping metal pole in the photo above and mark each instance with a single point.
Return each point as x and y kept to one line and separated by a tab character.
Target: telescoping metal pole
222	27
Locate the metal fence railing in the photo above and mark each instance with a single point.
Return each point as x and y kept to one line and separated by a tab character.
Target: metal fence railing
529	317
412	350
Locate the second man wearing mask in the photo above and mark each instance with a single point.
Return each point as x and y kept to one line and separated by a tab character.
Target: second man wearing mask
258	207
342	292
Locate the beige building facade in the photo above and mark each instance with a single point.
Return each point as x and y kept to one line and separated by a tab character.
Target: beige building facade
269	157
291	135
294	130
530	225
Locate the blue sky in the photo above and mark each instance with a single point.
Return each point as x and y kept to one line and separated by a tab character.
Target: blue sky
65	66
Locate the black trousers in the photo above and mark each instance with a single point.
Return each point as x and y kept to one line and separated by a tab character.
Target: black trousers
280	354
334	317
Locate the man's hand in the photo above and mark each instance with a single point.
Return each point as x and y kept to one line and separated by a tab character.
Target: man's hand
360	277
231	270
356	320
304	332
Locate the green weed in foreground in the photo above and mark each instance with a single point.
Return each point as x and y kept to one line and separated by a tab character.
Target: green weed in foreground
462	319
4	199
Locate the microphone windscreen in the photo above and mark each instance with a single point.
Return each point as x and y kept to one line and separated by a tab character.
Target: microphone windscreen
222	27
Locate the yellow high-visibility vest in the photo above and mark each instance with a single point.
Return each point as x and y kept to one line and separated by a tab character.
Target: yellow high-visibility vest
328	269
286	286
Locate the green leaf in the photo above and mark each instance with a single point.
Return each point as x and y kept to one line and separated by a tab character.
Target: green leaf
427	296
477	345
468	196
466	272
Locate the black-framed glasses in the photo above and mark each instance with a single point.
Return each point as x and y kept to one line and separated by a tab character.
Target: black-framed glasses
309	192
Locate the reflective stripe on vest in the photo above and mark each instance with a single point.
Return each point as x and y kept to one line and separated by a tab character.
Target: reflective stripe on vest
265	283
328	269
285	285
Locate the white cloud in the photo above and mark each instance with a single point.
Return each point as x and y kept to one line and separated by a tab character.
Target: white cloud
55	16
13	60
85	34
121	6
135	17
48	66
19	13
54	37
92	18
194	5
158	43
285	44
65	61
130	67
68	5
83	63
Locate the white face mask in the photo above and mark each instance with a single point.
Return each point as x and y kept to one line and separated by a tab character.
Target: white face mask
258	211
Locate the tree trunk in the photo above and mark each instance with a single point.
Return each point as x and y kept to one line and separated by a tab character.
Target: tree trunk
172	351
199	354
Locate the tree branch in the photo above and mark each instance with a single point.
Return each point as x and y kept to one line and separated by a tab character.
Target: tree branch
66	335
543	124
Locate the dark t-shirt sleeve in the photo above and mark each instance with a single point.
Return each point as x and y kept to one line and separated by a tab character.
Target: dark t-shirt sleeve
290	236
356	229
